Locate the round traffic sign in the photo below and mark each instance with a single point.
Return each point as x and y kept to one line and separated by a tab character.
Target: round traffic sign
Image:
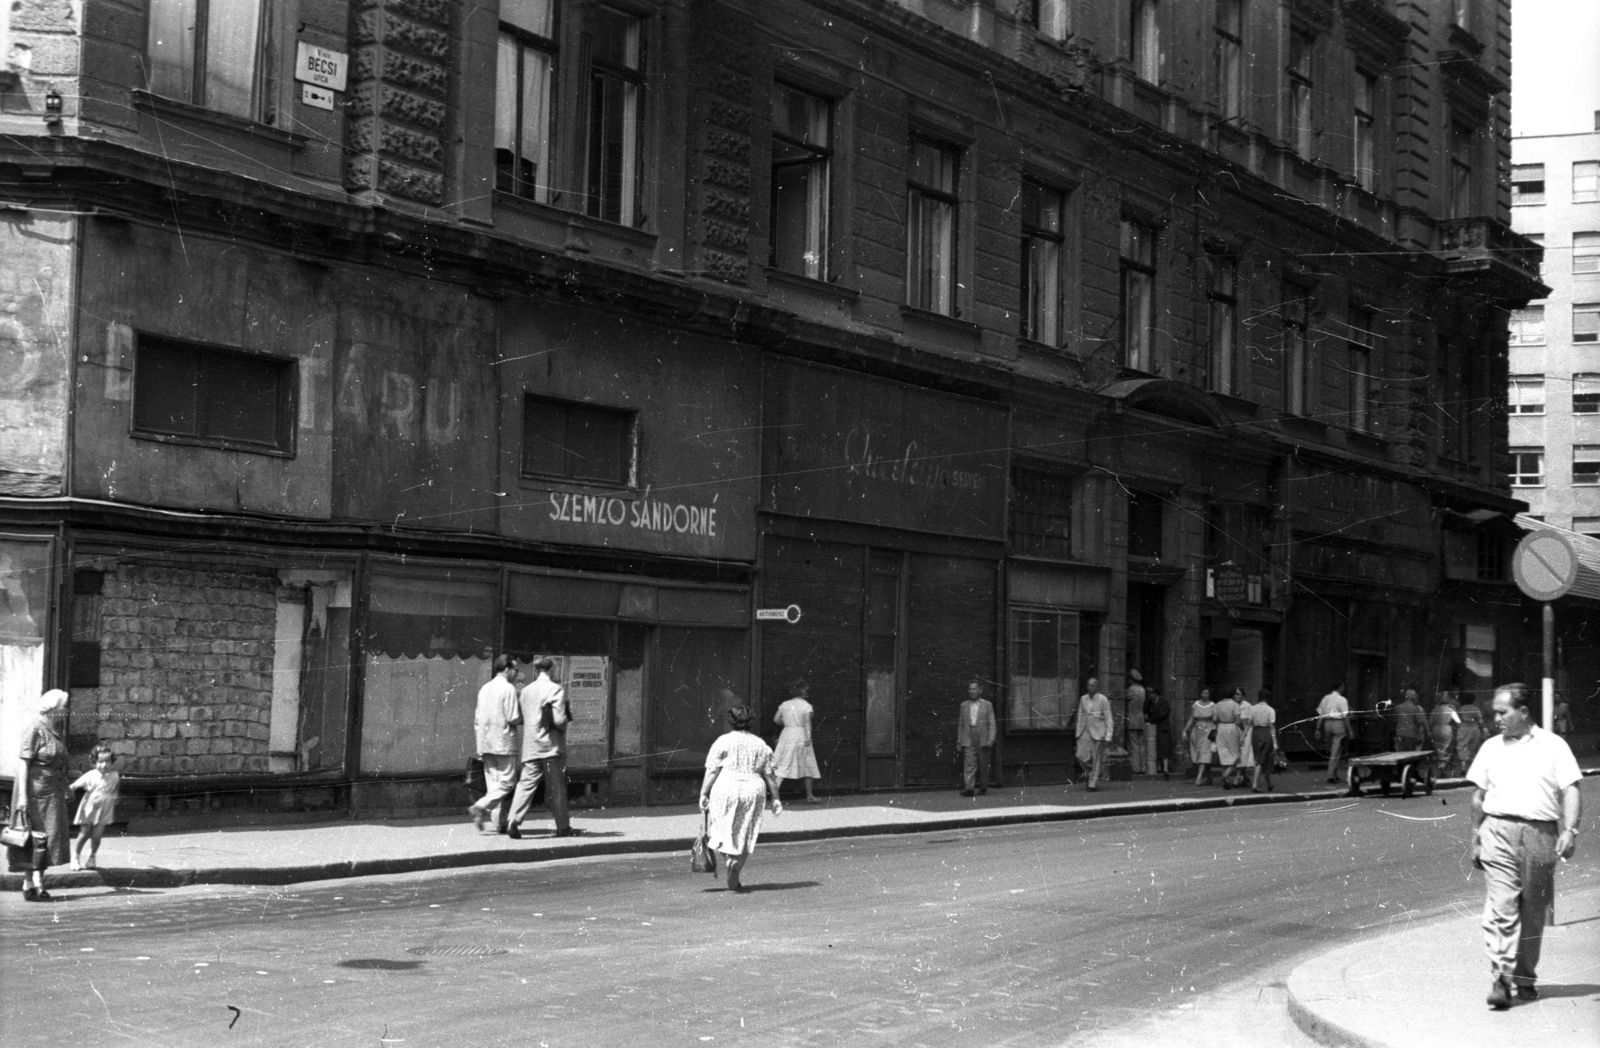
1544	565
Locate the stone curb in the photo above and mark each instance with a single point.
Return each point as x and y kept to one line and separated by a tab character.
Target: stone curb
159	877
1323	1030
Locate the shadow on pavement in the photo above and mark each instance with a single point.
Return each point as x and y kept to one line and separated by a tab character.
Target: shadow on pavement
1550	990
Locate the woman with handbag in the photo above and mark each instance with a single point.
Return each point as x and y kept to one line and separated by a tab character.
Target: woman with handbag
738	785
1200	731
39	796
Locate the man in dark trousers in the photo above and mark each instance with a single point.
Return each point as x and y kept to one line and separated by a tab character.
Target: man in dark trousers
975	737
1525	814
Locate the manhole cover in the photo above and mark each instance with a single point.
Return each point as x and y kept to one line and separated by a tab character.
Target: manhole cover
455	951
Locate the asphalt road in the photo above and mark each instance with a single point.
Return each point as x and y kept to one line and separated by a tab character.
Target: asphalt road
1090	933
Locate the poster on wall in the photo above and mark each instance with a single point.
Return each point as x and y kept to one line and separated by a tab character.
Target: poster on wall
587	679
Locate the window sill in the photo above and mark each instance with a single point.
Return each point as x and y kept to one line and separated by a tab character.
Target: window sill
572	231
595	487
918	315
213	444
1303	426
811	288
1043	349
170	107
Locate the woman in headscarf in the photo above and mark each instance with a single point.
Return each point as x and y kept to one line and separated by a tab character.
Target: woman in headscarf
738	784
41	789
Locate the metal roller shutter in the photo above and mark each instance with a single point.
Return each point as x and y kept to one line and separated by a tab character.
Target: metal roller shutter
951	640
824	647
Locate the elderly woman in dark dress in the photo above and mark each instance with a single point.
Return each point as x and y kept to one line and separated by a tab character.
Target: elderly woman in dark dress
41	788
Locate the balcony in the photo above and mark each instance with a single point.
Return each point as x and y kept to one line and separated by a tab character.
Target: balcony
1487	254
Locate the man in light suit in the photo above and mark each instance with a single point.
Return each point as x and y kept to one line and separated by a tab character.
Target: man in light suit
975	737
545	716
1095	726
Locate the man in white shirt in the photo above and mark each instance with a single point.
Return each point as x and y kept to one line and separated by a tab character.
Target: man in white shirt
495	726
1525	814
1333	724
1095	725
975	734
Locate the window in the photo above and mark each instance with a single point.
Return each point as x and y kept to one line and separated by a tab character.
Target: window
1045	669
1301	46
1527	326
1586	322
1296	365
1053	18
213	396
802	152
1526	395
1462	204
1138	294
1043	217
1586	252
1230	59
1363	390
1145	41
1223	305
206	53
1041	513
1527	184
577	441
1146	523
931	227
1527	467
1364	133
615	177
1491	556
1537	252
1586	464
1586	526
524	98
1585	181
1586	394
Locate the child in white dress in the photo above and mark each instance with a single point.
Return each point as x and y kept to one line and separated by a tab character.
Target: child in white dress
98	808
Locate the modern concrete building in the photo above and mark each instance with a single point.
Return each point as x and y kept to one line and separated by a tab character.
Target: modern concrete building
1555	342
343	344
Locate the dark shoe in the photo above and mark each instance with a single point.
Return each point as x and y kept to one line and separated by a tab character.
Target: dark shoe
967	793
570	831
1091	787
1527	993
983	793
500	829
1500	995
30	895
45	896
479	816
514	833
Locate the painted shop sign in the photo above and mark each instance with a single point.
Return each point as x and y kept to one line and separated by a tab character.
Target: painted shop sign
844	447
641	514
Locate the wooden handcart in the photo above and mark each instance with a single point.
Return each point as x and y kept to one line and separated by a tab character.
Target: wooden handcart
1408	768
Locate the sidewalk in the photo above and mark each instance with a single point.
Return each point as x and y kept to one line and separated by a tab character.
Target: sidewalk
1425	988
292	853
288	854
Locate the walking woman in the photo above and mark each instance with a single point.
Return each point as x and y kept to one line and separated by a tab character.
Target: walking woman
795	757
739	783
1200	730
1469	733
41	789
1229	738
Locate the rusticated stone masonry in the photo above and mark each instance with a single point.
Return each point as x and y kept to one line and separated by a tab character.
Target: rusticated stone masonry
185	668
722	144
399	86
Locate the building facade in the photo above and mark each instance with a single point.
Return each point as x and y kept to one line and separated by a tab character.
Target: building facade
1012	341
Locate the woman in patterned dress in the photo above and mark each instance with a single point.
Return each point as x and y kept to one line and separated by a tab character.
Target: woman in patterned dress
795	758
41	788
1198	732
739	783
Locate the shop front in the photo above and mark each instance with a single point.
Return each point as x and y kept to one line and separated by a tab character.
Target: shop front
883	521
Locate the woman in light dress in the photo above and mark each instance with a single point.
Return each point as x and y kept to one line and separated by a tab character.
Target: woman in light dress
738	785
1198	731
1229	738
795	758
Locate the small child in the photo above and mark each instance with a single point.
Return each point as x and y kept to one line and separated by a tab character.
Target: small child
98	808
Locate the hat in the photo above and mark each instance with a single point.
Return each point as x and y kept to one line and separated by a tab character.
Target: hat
1137	679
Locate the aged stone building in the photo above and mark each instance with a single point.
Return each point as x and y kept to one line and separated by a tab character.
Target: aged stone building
345	343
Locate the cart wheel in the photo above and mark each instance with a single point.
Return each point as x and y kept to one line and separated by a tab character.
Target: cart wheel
1355	783
1405	781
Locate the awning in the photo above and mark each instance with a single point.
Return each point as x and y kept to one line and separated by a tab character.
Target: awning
1587	549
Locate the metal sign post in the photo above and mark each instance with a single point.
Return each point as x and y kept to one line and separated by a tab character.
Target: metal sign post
1545	567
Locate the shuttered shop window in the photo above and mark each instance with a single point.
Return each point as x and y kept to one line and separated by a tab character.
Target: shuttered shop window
951	640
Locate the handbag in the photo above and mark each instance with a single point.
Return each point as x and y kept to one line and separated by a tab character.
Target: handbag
475	781
701	858
18	831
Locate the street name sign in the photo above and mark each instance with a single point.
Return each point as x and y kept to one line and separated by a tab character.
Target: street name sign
791	614
320	66
1544	565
